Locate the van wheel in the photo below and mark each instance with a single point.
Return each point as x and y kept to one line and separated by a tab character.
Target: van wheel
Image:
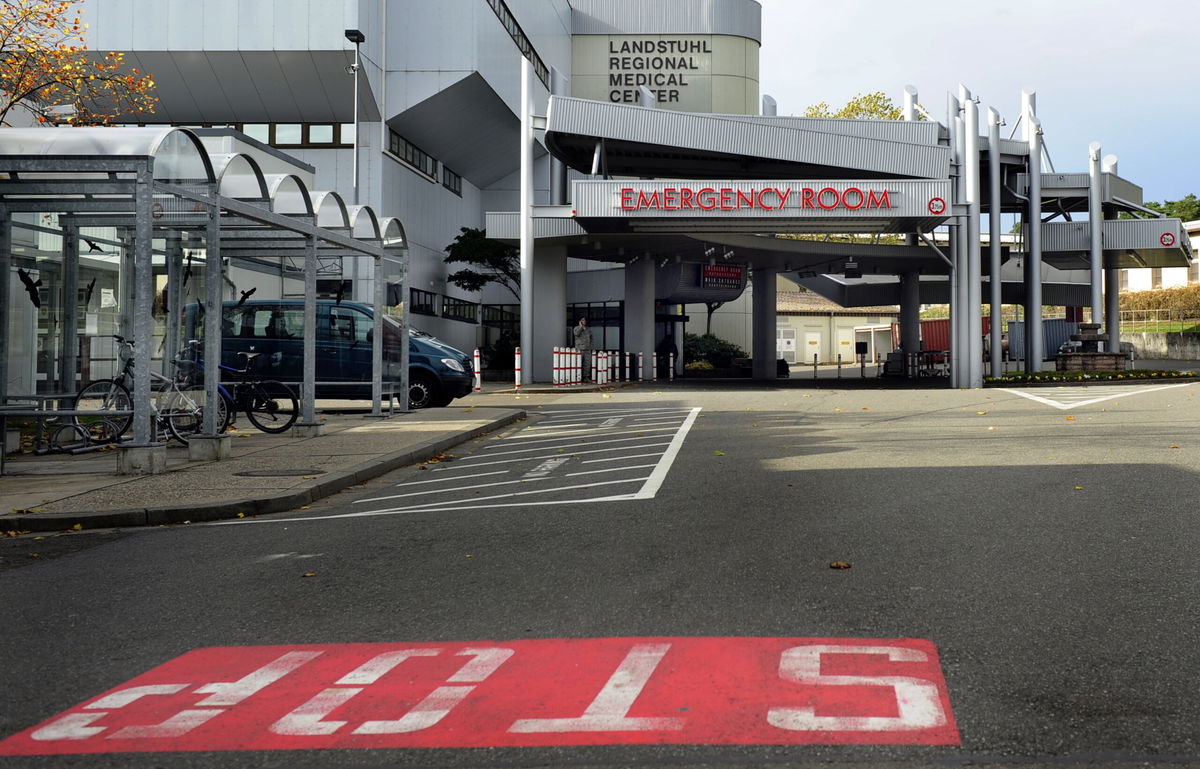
423	391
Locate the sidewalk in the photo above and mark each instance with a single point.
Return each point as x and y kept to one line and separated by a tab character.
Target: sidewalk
265	474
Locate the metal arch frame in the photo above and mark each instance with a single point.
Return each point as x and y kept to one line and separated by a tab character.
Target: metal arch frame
125	198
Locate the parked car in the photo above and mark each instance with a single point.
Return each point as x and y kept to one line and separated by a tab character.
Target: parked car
437	372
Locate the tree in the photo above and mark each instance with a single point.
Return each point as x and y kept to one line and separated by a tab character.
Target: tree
864	106
491	262
48	71
1187	209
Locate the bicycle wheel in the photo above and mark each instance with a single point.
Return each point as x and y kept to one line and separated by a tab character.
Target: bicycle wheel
183	411
101	397
271	406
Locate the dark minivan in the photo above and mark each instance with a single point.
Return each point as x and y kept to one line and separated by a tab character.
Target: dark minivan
438	373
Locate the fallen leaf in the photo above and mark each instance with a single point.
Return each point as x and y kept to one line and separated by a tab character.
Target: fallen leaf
1070	419
35	555
469	555
807	396
77	527
1174	446
241	515
836	410
1079	488
306	507
422	467
605	396
754	425
719	453
980	413
864	408
309	574
839	565
309	477
991	428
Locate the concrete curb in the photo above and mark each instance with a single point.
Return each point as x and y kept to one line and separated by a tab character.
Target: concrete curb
329	484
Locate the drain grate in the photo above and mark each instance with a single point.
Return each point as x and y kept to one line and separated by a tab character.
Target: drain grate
278	473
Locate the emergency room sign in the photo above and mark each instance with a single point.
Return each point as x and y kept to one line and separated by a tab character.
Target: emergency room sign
601	691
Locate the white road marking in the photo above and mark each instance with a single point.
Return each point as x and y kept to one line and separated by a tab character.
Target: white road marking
569	434
441	491
450	477
372	513
611	422
626	456
609	470
434	505
659	474
573	453
1070	393
606	413
640	434
547	467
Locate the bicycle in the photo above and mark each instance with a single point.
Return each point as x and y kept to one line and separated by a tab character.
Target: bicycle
178	404
270	405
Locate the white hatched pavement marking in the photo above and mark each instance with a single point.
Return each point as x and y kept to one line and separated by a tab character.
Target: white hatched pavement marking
651	483
372	513
625	456
1071	394
641	434
449	491
553	415
659	474
570	434
611	470
449	478
573	453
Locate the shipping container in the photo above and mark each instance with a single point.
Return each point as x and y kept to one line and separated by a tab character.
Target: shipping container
935	333
1055	331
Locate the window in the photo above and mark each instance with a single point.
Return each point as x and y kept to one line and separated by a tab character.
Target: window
320	134
1156	277
289	133
1194	270
1123	283
258	131
263	322
412	155
459	309
348	325
423	302
451	181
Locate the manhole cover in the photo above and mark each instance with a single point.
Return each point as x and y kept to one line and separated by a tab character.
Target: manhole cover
277	473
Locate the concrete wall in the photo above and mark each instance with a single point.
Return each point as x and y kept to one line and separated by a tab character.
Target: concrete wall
1164	345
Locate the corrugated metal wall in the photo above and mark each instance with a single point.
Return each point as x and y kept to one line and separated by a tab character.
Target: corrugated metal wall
681	17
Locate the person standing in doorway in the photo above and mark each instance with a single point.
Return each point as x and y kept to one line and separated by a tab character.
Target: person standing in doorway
583	343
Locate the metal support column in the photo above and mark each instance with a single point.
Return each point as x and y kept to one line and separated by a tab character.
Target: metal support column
1112	275
994	230
526	215
5	296
953	127
973	348
910	312
308	412
174	259
763	323
560	193
1096	230
125	283
214	281
143	305
379	284
70	302
1035	351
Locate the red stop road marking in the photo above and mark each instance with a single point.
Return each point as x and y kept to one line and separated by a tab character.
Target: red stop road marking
601	691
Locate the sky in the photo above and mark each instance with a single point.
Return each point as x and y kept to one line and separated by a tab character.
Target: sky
1120	73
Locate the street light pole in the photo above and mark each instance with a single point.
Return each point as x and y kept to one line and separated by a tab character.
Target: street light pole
358	38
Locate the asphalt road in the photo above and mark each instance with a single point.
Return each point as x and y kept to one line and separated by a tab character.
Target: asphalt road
1046	550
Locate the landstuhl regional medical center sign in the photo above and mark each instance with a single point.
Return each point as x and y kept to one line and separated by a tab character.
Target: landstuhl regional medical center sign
873	199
